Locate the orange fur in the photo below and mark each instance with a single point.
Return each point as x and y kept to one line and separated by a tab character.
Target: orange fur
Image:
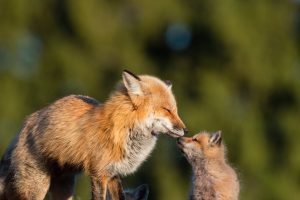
76	134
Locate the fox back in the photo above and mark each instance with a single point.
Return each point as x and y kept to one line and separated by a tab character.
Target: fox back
213	178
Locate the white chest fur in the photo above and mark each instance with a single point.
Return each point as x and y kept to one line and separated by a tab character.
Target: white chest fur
138	147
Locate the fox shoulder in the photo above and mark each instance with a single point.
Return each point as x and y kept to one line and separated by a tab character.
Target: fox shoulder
77	100
69	106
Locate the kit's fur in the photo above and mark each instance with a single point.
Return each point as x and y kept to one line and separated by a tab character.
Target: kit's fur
213	178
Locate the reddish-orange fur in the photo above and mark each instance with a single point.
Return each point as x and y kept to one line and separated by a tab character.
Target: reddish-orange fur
76	133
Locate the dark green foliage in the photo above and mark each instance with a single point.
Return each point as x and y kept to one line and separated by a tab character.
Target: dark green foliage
236	69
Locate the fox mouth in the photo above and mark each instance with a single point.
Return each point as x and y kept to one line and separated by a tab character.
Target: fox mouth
172	133
181	147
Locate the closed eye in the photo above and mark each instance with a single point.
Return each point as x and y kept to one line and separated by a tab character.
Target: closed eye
195	140
166	109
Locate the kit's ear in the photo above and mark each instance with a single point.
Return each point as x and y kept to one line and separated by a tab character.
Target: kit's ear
168	83
216	138
132	83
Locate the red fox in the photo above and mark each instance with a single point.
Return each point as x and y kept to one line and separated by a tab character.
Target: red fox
76	133
213	178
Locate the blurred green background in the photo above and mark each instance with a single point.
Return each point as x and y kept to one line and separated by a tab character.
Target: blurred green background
234	66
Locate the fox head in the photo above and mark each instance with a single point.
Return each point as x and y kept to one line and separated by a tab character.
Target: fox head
202	146
153	100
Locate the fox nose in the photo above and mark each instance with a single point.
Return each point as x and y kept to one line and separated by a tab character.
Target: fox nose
179	140
185	130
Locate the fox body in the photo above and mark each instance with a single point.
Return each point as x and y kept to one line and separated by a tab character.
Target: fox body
213	178
76	133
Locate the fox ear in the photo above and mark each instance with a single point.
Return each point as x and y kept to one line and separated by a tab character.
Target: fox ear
132	83
168	83
141	192
216	138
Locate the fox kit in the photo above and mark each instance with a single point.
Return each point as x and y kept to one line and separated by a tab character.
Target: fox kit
76	133
139	193
213	178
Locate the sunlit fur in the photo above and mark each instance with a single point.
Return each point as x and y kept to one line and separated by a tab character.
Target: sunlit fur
213	178
76	134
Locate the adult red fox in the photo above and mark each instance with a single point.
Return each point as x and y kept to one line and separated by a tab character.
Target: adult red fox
213	178
76	133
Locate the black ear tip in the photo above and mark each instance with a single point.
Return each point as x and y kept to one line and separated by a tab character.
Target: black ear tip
216	138
125	71
168	82
218	135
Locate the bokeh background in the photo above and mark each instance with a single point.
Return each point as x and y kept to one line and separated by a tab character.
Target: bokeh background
234	66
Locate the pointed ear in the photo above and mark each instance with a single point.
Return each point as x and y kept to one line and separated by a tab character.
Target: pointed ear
141	192
168	83
216	138
132	83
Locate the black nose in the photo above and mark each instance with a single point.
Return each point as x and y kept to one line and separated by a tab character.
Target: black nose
185	130
179	140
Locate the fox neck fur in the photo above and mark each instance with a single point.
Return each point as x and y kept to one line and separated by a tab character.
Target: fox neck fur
203	185
134	130
212	178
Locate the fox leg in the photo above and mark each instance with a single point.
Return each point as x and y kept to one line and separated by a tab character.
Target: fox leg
2	188
26	184
62	188
4	168
27	176
115	189
99	188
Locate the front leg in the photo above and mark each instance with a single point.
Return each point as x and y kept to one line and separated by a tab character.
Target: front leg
115	188
99	188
